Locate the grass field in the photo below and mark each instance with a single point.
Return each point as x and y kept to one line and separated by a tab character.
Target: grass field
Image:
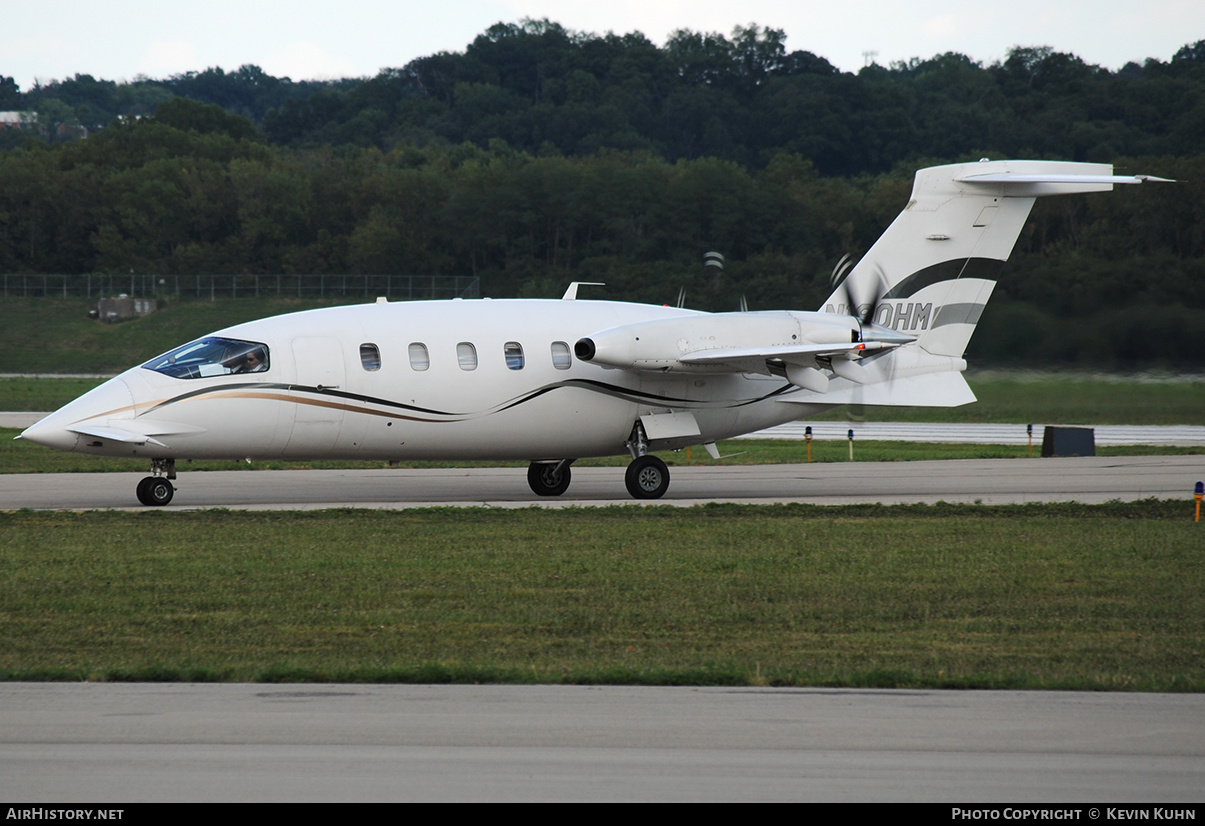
1032	597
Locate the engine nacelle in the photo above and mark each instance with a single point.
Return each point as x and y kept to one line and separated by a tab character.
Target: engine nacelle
660	345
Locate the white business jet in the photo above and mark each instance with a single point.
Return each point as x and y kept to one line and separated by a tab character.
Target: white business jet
551	381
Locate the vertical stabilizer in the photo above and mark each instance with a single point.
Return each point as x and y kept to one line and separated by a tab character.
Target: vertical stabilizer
934	268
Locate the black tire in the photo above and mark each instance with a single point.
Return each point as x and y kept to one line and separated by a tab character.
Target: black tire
647	478
544	479
158	491
141	490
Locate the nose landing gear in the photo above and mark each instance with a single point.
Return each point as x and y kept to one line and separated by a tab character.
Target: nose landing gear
157	490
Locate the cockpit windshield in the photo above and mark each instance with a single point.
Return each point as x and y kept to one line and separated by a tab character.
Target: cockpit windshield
211	357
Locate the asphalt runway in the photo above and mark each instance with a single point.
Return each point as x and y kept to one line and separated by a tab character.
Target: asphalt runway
125	743
990	481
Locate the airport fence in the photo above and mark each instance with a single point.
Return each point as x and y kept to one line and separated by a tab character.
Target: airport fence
213	287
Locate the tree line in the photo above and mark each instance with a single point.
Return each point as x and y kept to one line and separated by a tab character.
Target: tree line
201	188
545	89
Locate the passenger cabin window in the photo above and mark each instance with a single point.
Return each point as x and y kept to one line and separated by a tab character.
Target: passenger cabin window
420	359
562	359
208	357
370	357
513	351
466	356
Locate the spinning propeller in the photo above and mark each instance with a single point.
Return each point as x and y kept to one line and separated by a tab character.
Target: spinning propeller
863	297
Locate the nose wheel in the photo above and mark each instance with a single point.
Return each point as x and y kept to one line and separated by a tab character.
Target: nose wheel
155	491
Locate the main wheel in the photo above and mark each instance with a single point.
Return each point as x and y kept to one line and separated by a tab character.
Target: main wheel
155	491
647	478
545	480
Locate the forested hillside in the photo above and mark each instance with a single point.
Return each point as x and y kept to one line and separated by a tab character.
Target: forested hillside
539	156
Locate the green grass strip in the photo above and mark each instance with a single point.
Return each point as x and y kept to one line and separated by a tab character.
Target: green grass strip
1105	597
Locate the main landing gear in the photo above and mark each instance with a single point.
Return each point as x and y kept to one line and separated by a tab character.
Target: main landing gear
647	477
549	478
156	490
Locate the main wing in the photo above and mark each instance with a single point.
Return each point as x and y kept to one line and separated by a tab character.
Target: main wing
794	345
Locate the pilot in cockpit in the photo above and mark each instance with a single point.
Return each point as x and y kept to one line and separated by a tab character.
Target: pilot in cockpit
253	361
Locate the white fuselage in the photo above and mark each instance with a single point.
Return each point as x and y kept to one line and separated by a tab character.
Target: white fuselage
396	381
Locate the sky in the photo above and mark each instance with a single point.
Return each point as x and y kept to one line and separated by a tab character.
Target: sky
121	39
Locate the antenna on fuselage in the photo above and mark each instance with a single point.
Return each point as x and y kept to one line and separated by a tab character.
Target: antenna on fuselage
571	292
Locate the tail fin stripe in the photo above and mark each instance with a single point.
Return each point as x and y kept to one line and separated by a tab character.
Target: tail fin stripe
986	268
957	314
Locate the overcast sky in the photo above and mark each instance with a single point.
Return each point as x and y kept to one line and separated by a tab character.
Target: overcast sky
120	39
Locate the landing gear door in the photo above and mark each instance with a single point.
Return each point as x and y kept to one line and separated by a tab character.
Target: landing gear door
669	431
318	414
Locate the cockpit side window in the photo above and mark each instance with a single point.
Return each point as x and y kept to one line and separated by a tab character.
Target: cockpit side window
208	357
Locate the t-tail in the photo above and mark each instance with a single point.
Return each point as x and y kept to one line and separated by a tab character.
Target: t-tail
931	273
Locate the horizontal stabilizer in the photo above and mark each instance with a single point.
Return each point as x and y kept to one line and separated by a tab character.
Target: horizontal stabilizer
1006	178
928	390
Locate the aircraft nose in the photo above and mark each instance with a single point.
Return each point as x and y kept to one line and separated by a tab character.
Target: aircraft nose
112	400
51	434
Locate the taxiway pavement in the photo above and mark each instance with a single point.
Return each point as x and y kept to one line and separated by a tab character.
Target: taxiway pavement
988	481
101	743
